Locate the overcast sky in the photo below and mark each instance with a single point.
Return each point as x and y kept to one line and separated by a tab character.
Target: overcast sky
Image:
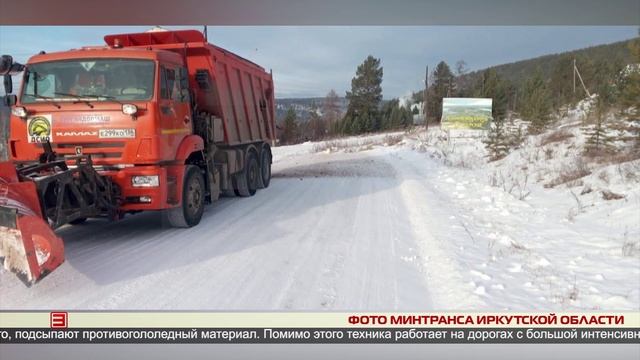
309	61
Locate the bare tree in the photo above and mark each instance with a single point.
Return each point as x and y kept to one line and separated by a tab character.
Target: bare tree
461	67
461	81
331	109
317	125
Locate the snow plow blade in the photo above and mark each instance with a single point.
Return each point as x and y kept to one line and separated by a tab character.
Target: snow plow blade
28	246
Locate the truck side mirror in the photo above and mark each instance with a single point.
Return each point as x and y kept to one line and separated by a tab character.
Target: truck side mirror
8	84
8	68
10	100
6	61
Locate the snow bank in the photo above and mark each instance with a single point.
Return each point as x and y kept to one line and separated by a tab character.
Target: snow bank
551	227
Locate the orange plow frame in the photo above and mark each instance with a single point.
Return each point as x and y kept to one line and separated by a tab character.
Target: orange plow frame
28	245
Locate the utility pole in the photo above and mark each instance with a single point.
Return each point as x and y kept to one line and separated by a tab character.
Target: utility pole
576	72
574	76
426	97
205	33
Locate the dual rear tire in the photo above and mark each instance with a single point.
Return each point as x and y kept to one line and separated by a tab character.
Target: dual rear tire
255	175
265	168
245	183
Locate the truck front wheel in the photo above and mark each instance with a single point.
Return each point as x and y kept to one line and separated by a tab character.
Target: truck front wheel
193	193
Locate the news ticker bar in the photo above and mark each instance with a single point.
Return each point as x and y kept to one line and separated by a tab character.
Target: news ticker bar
466	320
321	336
82	327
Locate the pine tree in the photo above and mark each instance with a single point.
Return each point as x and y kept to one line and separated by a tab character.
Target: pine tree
492	86
500	138
344	125
496	142
536	103
587	69
561	83
289	131
443	86
629	98
396	117
363	114
386	111
337	127
598	138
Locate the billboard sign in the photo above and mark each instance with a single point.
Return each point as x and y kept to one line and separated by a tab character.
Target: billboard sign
466	113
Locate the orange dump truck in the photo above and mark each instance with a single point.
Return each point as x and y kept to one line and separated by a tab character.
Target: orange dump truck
150	121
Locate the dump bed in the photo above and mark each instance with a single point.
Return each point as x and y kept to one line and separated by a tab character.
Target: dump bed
224	84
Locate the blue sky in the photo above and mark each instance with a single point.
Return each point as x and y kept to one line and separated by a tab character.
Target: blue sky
309	61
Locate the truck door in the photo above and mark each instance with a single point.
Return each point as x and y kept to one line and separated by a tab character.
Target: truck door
175	114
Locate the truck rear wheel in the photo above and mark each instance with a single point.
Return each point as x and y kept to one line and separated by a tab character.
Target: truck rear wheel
265	168
193	193
246	181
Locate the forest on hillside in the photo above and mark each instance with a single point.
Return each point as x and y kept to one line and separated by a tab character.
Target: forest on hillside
533	90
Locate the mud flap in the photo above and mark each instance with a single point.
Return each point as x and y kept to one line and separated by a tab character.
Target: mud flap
28	246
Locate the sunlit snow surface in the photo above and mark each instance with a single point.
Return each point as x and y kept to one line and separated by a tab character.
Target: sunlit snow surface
407	221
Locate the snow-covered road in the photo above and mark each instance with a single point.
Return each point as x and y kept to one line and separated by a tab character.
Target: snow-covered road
331	232
359	224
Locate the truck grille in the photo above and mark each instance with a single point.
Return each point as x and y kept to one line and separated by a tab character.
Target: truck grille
97	150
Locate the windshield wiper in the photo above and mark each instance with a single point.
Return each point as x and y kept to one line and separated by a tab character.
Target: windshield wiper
109	97
37	96
80	98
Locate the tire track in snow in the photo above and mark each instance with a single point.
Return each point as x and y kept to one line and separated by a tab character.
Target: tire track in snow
431	223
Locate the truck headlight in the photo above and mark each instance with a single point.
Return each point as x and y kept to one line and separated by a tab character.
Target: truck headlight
19	111
145	181
129	109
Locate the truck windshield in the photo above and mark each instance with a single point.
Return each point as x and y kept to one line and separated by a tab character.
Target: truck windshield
89	79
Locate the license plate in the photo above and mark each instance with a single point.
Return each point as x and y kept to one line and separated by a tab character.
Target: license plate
117	133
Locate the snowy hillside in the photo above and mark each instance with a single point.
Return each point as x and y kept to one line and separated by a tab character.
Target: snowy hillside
548	226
